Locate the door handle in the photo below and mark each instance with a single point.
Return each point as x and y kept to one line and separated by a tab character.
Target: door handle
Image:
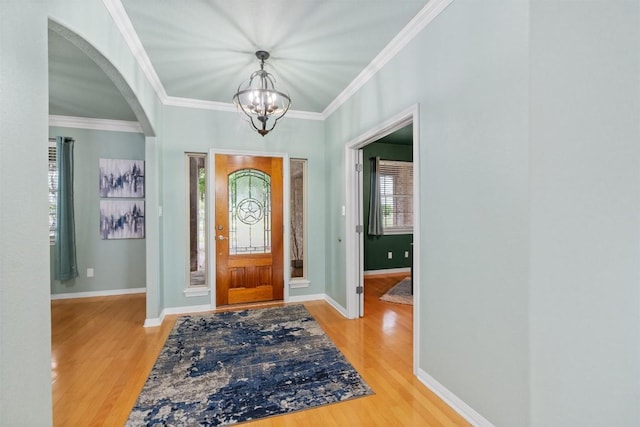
221	237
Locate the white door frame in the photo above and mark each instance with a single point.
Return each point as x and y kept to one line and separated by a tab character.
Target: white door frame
354	241
211	203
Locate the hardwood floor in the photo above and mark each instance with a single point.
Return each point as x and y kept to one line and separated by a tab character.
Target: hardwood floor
101	357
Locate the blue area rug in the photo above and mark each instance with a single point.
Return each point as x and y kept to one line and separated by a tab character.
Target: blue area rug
231	367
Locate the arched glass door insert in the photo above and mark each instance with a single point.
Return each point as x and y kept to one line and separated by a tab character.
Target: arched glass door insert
249	212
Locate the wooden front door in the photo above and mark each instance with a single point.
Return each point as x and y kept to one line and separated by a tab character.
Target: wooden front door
248	229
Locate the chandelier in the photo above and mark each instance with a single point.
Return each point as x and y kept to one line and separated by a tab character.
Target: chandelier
259	99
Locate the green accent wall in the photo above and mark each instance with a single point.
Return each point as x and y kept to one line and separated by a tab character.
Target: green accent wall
376	248
118	264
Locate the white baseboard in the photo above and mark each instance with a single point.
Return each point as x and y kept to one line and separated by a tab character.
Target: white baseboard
157	321
153	322
333	303
108	293
388	271
305	298
457	404
320	297
186	310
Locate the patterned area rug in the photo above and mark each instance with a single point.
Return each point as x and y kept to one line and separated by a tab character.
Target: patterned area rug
400	293
225	368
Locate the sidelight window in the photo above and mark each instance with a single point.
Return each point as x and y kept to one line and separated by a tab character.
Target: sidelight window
298	212
197	218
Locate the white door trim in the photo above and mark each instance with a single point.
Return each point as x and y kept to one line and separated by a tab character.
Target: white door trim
354	241
211	201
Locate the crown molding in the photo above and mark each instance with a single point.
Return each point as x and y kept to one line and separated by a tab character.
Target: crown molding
95	124
307	115
427	14
122	21
175	101
408	33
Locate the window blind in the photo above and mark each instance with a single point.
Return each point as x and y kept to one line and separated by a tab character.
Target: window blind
53	191
396	195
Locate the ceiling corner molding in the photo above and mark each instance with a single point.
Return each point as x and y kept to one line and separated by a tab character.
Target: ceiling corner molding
122	21
198	103
419	22
117	11
307	115
95	124
175	101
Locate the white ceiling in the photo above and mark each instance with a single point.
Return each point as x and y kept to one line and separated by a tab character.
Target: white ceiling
203	49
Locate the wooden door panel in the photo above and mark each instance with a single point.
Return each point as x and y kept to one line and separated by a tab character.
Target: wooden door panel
244	260
244	295
263	275
237	278
254	272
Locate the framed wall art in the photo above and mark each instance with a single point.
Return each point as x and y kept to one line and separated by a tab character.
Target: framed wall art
121	178
121	219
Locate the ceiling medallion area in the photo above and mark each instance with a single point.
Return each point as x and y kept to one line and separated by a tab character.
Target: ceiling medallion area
259	99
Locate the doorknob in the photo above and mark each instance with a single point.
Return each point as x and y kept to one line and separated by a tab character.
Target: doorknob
221	237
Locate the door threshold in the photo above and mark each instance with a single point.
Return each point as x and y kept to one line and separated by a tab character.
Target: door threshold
245	306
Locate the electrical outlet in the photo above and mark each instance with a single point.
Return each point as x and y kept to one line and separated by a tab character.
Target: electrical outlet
406	254
390	255
89	272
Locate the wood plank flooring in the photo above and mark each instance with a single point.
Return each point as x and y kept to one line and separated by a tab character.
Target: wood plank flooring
101	357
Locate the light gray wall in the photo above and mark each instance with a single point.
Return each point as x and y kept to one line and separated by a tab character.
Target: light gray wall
469	72
194	130
25	337
90	24
529	120
117	264
474	148
585	206
25	317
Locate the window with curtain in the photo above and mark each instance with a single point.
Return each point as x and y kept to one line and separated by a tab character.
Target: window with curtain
395	186
53	190
66	265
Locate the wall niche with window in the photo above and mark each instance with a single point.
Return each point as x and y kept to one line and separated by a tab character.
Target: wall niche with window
396	206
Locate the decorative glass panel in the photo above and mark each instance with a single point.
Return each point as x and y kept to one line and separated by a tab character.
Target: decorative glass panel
249	212
196	207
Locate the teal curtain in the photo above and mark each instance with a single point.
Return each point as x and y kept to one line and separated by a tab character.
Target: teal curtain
66	266
375	211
